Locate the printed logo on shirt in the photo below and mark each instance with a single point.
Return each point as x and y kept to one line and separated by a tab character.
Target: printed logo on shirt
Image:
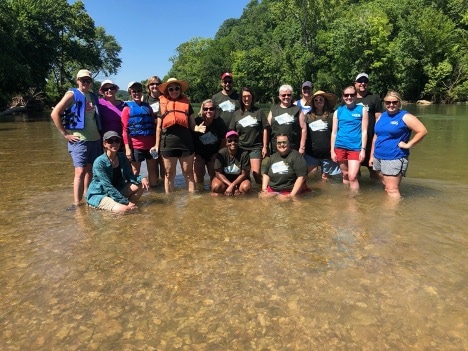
89	106
280	167
248	121
208	138
395	123
285	118
318	125
232	169
227	106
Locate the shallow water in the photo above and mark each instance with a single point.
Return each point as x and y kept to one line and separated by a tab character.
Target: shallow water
192	272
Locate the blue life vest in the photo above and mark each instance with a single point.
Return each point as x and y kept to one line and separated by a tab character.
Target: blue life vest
73	118
140	119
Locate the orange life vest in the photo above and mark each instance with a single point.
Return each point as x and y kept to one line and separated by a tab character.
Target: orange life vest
174	112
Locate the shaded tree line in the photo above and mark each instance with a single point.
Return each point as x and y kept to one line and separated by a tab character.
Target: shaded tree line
45	42
417	47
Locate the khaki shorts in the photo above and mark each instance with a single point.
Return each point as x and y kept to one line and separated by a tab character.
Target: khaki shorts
108	204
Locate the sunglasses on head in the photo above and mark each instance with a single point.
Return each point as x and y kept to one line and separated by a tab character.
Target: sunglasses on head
208	108
171	89
113	141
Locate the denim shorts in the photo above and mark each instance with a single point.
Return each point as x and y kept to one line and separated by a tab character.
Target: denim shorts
327	165
84	152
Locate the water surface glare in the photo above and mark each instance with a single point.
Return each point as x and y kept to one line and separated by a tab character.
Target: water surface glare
192	272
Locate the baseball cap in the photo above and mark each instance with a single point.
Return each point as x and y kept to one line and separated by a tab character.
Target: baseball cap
227	74
110	134
362	75
231	133
307	84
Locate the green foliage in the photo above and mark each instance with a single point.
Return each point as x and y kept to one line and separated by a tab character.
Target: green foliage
45	42
417	47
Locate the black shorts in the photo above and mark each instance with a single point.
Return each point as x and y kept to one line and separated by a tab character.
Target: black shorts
176	153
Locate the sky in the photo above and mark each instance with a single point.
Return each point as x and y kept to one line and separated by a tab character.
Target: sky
149	31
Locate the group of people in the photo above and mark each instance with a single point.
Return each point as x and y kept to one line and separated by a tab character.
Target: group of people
231	139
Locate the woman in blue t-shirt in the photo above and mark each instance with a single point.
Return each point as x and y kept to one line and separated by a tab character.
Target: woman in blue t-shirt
391	144
349	137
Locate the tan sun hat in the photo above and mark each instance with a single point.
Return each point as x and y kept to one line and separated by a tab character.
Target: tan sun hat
183	85
83	73
331	98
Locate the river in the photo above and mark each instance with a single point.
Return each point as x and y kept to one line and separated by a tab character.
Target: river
193	272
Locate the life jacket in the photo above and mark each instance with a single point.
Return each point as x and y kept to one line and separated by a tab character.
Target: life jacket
73	118
174	112
140	119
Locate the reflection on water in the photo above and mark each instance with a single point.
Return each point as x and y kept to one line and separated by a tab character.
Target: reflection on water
192	272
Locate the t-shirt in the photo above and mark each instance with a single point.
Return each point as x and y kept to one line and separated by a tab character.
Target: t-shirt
284	170
226	105
349	131
249	125
231	167
319	135
208	143
153	102
390	130
285	120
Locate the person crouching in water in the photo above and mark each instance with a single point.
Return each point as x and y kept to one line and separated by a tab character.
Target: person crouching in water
232	169
114	187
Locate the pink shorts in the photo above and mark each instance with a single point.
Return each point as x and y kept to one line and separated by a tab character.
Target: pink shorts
304	189
345	155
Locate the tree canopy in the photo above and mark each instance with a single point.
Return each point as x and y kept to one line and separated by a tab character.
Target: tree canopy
417	47
45	42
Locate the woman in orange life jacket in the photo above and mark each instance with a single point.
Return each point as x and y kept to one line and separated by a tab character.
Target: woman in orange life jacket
174	128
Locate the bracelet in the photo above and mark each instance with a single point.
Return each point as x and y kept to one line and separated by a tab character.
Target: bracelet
363	148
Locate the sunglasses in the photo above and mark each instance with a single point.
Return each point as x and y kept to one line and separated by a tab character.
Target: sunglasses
113	141
171	89
86	80
281	143
154	84
230	141
286	95
110	88
319	100
349	95
227	81
208	108
360	80
137	91
394	102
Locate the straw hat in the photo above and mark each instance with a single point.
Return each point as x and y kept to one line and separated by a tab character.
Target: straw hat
331	98
183	85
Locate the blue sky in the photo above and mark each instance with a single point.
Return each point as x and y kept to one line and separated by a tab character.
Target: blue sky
149	31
